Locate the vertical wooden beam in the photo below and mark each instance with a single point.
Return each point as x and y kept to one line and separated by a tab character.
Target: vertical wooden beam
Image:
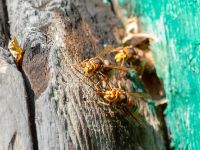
14	123
15	130
53	35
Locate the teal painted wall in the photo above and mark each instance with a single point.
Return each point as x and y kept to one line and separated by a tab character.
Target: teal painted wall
176	23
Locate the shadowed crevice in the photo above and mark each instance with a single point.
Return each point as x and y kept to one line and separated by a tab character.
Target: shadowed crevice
31	110
12	141
4	27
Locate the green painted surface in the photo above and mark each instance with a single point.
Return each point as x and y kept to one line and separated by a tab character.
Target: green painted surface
176	23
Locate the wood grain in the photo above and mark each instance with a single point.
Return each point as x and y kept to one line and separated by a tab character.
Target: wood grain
53	35
14	122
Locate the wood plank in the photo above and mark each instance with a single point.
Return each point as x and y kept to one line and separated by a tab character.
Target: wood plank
14	122
15	130
55	34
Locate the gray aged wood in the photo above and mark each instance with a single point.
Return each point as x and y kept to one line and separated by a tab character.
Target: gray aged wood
14	123
53	35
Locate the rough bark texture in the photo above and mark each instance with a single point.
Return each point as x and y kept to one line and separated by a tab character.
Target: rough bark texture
14	123
63	113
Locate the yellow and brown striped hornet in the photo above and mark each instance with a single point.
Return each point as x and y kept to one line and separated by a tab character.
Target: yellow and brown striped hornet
97	65
125	102
135	58
13	45
121	97
123	53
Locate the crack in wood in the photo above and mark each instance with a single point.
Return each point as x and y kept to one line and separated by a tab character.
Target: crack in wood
12	141
4	27
31	110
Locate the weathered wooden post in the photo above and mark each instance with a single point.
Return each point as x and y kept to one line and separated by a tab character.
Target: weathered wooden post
15	132
62	113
